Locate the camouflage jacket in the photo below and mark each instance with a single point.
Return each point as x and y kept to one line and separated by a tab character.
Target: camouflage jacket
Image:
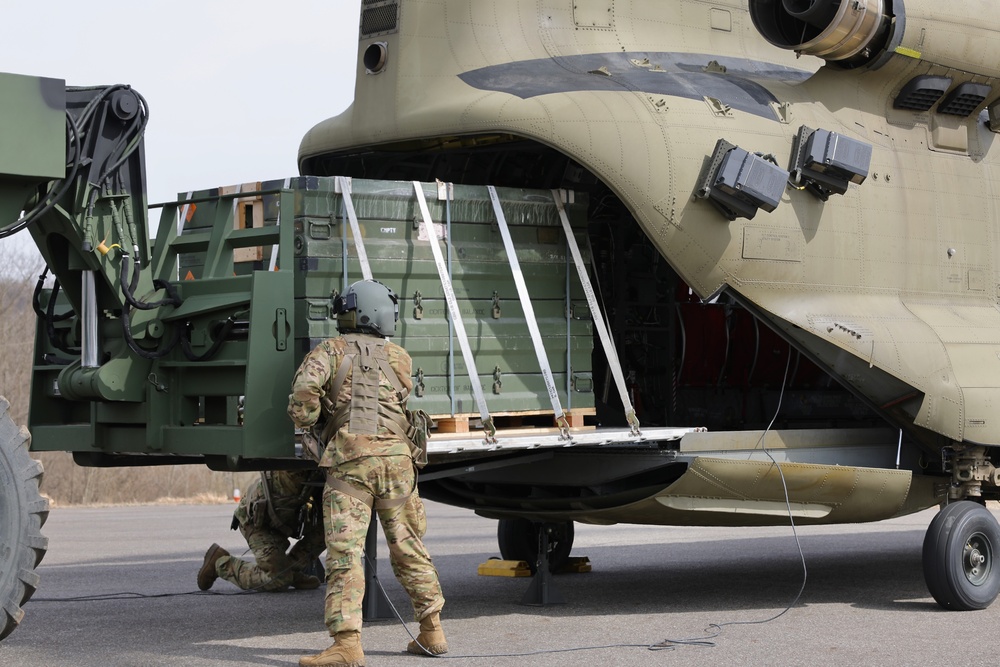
287	500
314	380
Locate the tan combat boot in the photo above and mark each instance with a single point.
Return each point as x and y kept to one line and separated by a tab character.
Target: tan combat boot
345	652
208	574
431	638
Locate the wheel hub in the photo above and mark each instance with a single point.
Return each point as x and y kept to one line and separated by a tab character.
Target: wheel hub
977	559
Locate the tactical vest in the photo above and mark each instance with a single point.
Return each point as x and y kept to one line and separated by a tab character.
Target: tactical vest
364	414
285	513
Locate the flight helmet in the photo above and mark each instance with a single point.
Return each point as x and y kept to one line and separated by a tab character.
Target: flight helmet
367	306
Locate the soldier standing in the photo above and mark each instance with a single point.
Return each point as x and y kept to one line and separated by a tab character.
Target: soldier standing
363	381
276	508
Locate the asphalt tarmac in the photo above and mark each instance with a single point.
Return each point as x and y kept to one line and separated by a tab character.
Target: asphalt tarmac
118	588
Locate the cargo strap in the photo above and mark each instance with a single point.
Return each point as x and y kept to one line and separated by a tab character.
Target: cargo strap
456	315
364	496
529	315
265	482
595	308
359	245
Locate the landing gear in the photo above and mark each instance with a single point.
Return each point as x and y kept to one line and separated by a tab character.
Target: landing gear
22	513
960	555
519	539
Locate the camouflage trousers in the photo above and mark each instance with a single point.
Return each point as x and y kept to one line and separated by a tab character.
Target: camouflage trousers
276	566
346	520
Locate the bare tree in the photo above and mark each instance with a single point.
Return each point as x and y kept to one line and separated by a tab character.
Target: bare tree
18	271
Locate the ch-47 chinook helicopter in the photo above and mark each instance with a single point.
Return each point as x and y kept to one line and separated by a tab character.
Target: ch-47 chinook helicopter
787	207
811	181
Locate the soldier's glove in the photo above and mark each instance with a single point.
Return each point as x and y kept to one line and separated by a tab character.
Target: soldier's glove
312	445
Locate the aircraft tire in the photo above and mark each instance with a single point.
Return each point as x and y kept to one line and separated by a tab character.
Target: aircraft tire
518	540
960	557
22	514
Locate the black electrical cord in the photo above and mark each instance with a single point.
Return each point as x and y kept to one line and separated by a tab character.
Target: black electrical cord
128	595
491	655
663	645
716	628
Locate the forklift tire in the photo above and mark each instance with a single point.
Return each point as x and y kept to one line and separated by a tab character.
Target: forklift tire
22	514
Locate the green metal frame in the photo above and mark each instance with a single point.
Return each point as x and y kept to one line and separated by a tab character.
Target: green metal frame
231	406
229	410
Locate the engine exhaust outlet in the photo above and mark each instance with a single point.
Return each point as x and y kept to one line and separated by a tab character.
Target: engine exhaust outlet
847	31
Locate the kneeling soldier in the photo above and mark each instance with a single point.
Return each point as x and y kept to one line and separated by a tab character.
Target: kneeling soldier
277	507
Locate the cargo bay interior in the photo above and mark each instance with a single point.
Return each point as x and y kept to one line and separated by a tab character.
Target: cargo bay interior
687	362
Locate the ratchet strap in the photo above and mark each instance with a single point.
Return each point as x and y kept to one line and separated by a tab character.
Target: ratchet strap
614	364
456	316
359	244
529	314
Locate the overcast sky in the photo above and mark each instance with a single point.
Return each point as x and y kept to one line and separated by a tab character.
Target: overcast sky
232	86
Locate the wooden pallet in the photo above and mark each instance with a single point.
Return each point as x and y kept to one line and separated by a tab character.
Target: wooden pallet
465	423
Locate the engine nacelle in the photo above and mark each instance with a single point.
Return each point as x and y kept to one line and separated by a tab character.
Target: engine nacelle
850	32
853	33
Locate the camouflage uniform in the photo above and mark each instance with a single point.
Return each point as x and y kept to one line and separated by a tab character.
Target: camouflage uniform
379	464
276	566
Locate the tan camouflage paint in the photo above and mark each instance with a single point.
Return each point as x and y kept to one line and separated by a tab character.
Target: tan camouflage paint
899	276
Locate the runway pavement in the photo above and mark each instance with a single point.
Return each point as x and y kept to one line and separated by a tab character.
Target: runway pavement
118	589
